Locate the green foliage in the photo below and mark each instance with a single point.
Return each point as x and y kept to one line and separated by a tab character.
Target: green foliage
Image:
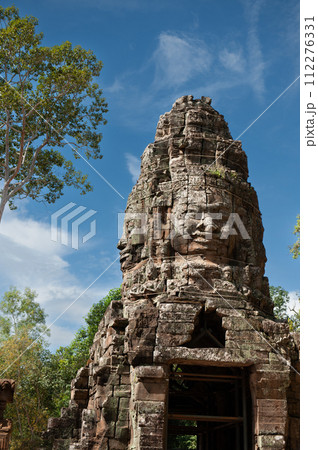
182	442
48	100
217	171
233	175
95	314
23	357
20	311
295	249
24	361
294	318
185	442
42	379
281	300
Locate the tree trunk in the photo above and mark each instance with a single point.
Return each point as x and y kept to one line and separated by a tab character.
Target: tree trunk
3	202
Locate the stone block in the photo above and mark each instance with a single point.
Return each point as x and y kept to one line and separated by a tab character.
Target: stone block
150	439
122	433
241	324
150	407
124	403
179	328
271	416
173	340
109	429
122	391
150	391
80	396
116	444
110	408
150	372
271	441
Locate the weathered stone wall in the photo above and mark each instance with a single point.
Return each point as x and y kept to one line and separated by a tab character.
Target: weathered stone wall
191	252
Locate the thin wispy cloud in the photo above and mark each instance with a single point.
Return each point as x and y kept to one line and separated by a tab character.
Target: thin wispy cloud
178	59
133	165
255	56
181	64
233	60
117	86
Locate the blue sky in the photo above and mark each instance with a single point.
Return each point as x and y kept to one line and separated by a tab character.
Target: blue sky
243	54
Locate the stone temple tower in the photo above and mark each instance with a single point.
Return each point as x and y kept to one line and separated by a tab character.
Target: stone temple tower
192	352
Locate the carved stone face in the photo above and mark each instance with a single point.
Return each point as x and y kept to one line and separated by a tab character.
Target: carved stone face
198	231
227	273
194	204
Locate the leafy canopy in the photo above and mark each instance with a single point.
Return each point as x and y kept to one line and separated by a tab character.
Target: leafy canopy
23	357
42	378
282	310
19	311
50	112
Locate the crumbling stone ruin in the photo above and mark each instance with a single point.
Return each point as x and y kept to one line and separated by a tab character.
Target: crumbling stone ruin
192	349
6	396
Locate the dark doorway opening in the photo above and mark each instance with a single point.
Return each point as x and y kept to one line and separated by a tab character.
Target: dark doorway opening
209	409
208	332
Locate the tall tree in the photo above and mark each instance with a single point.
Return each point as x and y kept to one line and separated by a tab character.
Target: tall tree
50	112
280	299
24	357
20	311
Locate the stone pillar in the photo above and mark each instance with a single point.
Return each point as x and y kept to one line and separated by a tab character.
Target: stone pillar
148	407
6	396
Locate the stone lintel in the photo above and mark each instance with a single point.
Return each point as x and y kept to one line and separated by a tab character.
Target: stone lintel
205	356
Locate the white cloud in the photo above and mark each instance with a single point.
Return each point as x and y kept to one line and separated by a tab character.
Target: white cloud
178	59
255	55
29	258
117	86
293	300
62	336
232	60
133	165
181	65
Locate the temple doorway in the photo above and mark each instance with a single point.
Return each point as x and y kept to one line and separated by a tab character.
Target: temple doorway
209	408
